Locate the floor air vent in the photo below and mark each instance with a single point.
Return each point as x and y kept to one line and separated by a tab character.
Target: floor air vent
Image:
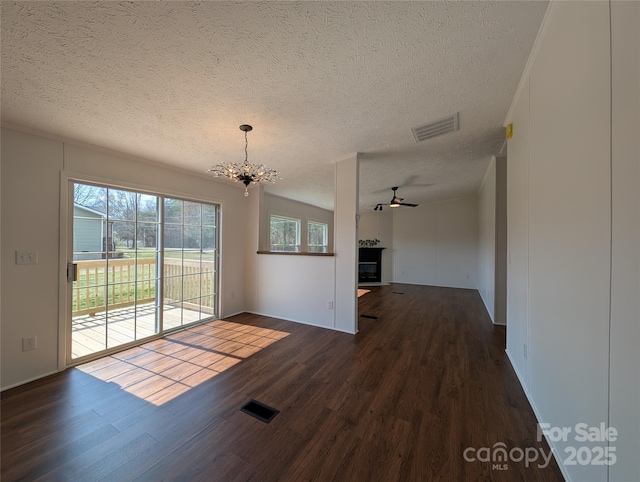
436	128
369	316
259	410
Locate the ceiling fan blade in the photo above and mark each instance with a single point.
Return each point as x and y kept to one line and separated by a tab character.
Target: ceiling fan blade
408	184
397	201
410	180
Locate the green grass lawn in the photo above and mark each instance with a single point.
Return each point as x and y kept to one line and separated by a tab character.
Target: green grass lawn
151	253
115	295
128	281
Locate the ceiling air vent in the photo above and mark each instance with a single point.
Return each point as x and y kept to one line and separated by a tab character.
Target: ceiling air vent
436	128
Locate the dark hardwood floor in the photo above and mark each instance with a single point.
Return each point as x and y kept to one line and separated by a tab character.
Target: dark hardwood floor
400	401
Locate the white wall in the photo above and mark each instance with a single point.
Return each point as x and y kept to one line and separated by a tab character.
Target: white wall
569	223
492	237
295	288
518	238
436	244
573	229
254	225
379	225
346	245
500	308
624	399
30	211
280	206
32	166
487	239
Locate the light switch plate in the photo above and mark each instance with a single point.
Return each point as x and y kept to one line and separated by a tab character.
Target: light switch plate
26	257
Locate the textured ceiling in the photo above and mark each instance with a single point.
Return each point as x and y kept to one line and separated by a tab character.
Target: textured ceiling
319	81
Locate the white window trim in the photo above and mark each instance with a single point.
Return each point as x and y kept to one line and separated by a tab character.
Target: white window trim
325	244
297	246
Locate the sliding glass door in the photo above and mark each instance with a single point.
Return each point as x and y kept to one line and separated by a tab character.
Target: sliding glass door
142	264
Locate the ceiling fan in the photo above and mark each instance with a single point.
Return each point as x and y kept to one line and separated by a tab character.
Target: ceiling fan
395	202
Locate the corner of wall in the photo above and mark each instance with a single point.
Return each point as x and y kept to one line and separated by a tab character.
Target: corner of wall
346	245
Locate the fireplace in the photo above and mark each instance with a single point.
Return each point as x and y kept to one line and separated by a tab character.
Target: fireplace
370	265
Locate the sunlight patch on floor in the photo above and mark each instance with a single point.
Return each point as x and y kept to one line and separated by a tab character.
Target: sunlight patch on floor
161	370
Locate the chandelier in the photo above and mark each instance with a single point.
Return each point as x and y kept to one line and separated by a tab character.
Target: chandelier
244	172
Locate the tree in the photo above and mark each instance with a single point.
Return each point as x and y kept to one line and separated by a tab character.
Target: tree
93	197
121	208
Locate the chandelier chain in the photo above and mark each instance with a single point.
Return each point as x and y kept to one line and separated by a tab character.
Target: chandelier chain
246	145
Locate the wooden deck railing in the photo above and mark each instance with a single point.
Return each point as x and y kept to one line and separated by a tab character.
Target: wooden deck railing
125	282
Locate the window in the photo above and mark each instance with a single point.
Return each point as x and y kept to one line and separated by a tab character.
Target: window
285	234
317	237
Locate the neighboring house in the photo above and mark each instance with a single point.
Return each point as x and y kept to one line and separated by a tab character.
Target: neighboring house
89	233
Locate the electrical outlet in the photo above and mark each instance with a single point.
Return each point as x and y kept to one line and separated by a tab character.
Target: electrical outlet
330	304
525	351
29	343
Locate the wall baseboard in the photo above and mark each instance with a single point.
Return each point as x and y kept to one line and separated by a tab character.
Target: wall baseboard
299	321
233	314
394	282
24	382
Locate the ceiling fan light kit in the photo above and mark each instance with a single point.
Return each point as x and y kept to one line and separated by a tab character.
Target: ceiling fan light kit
395	202
244	172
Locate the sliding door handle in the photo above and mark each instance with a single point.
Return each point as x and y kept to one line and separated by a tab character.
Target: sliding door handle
72	272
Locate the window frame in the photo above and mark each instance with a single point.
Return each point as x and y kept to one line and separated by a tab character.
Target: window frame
297	246
324	247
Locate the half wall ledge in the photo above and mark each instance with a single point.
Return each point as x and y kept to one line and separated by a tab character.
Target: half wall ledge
296	253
